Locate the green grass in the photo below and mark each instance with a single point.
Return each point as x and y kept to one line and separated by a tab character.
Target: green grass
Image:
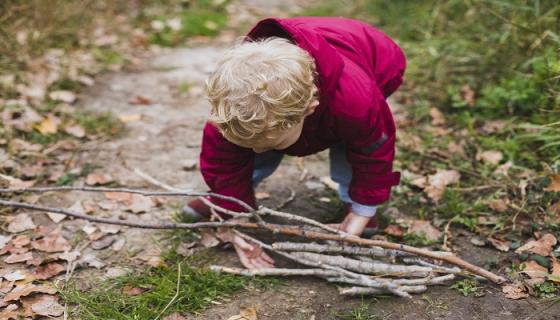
198	288
360	313
468	287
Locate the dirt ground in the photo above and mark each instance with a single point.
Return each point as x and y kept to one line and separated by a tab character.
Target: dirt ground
169	133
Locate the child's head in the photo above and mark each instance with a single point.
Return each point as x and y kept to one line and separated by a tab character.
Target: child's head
260	93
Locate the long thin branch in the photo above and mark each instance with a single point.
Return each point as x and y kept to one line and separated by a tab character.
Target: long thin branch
276	272
326	248
428	281
355	291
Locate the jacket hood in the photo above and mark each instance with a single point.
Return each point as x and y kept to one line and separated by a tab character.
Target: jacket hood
328	63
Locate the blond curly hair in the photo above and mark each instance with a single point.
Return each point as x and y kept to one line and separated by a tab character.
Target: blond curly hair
259	89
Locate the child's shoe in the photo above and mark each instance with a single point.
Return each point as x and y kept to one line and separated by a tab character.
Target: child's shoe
196	210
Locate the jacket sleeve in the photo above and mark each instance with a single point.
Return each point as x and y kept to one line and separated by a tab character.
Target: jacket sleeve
370	150
227	169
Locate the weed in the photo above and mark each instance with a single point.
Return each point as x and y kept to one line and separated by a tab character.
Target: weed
359	313
468	287
101	124
546	290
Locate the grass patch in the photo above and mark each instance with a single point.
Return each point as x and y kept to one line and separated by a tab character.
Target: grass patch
468	287
359	313
105	124
198	287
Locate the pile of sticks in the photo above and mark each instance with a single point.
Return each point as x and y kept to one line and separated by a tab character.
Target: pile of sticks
364	266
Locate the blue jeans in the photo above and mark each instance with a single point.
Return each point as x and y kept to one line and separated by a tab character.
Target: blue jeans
341	172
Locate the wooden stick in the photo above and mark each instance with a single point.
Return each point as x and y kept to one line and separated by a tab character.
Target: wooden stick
276	272
325	248
356	291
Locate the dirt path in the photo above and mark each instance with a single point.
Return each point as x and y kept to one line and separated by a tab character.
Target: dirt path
169	132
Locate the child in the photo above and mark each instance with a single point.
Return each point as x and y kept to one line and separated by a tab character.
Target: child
299	86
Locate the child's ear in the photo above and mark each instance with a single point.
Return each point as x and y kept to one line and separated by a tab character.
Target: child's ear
312	107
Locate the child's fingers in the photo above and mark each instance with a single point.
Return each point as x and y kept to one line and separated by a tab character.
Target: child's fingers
267	258
242	244
261	263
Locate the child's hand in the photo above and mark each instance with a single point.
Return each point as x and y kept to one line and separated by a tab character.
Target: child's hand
250	255
352	224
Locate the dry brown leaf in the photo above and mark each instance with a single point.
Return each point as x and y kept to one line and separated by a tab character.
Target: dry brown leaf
70	256
103	243
4	240
494	126
394	230
438	181
122	197
542	247
17	258
43	304
423	227
189	164
63	95
133	291
98	178
21	291
20	223
48	271
499	205
92	261
49	125
502	245
555	274
554	185
208	239
52	242
535	271
10	312
151	256
437	117
503	169
14	183
16	275
245	313
139	203
139	100
492	157
75	130
468	95
515	290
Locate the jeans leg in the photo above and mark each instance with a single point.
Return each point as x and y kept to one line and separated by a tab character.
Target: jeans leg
341	171
265	164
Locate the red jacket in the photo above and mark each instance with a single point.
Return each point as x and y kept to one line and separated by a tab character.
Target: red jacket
358	68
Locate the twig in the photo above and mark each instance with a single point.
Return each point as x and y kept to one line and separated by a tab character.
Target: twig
355	291
288	200
323	248
367	267
176	293
276	272
446	236
409	282
292	217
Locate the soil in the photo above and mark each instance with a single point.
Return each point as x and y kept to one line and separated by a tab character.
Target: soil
169	132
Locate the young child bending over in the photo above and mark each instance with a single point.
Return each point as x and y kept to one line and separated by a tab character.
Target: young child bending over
299	86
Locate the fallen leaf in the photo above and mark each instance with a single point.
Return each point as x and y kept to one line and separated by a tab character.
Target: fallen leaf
109	228
16	275
492	157
499	205
542	247
438	181
92	261
75	130
139	203
48	271
21	291
501	245
262	195
52	242
555	274
14	183
535	271
423	227
108	205
245	313
98	178
151	256
133	291
515	290
63	95
118	245
437	117
503	169
139	100
130	118
4	240
20	223
16	258
123	197
554	185
49	125
186	248
493	126
69	256
455	148
468	95
10	312
394	230
103	243
208	239
43	305
477	241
